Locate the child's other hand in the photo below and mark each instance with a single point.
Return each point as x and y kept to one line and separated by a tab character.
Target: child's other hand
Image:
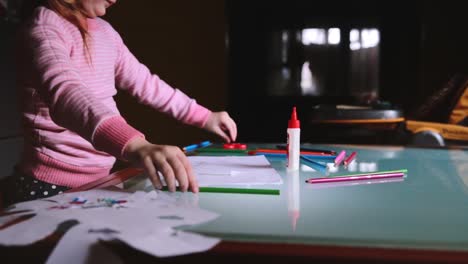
222	125
170	161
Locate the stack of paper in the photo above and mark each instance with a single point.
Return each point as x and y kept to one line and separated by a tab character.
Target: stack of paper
234	170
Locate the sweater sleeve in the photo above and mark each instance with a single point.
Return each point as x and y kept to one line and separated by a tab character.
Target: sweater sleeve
71	104
149	89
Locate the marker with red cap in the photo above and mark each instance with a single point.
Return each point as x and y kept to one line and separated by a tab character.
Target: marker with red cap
294	141
350	158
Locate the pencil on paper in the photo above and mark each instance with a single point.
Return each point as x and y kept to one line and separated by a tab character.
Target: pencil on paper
360	177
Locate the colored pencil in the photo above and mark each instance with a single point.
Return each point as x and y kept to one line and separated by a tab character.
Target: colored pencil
350	158
234	190
196	146
221	150
322	168
340	158
357	177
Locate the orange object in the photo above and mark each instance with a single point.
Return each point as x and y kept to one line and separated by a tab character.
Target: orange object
460	111
447	131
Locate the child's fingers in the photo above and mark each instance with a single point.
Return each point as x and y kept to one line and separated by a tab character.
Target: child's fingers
168	174
179	172
152	173
218	130
192	180
232	129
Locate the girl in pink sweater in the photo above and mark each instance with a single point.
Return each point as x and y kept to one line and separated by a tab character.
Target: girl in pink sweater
70	63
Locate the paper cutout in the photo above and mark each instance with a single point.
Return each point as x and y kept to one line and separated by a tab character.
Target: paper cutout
145	223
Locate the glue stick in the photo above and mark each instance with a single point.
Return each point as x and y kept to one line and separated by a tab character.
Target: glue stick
293	141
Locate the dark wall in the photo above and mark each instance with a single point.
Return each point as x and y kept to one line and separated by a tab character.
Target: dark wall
9	114
422	45
183	42
444	45
10	131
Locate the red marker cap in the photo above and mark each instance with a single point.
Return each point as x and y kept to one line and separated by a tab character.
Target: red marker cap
235	146
294	122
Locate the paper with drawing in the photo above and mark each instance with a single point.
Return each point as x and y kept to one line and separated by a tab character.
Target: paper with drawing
114	214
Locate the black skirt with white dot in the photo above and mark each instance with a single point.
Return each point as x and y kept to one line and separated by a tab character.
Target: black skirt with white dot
20	187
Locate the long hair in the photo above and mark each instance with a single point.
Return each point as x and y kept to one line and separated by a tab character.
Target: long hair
68	9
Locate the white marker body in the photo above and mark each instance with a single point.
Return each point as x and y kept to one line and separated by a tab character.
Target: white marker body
294	148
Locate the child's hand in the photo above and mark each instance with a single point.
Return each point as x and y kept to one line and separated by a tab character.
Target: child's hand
169	160
222	125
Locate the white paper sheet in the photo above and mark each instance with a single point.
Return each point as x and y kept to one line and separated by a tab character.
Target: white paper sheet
234	170
143	217
168	242
79	246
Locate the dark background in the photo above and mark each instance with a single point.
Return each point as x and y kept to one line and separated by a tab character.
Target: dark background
213	50
422	46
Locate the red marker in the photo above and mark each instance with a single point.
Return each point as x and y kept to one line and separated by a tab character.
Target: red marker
350	158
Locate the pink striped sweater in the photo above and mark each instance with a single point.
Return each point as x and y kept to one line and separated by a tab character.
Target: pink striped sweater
72	127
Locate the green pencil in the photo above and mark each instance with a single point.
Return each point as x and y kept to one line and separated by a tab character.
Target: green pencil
234	190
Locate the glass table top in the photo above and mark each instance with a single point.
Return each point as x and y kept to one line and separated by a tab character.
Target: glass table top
427	209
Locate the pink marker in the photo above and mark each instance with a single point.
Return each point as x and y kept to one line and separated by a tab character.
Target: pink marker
350	158
340	158
358	177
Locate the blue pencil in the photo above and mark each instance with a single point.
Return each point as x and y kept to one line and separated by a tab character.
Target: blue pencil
315	165
196	146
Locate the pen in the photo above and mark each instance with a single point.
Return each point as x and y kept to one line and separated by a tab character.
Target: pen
234	190
350	158
357	177
196	146
340	158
